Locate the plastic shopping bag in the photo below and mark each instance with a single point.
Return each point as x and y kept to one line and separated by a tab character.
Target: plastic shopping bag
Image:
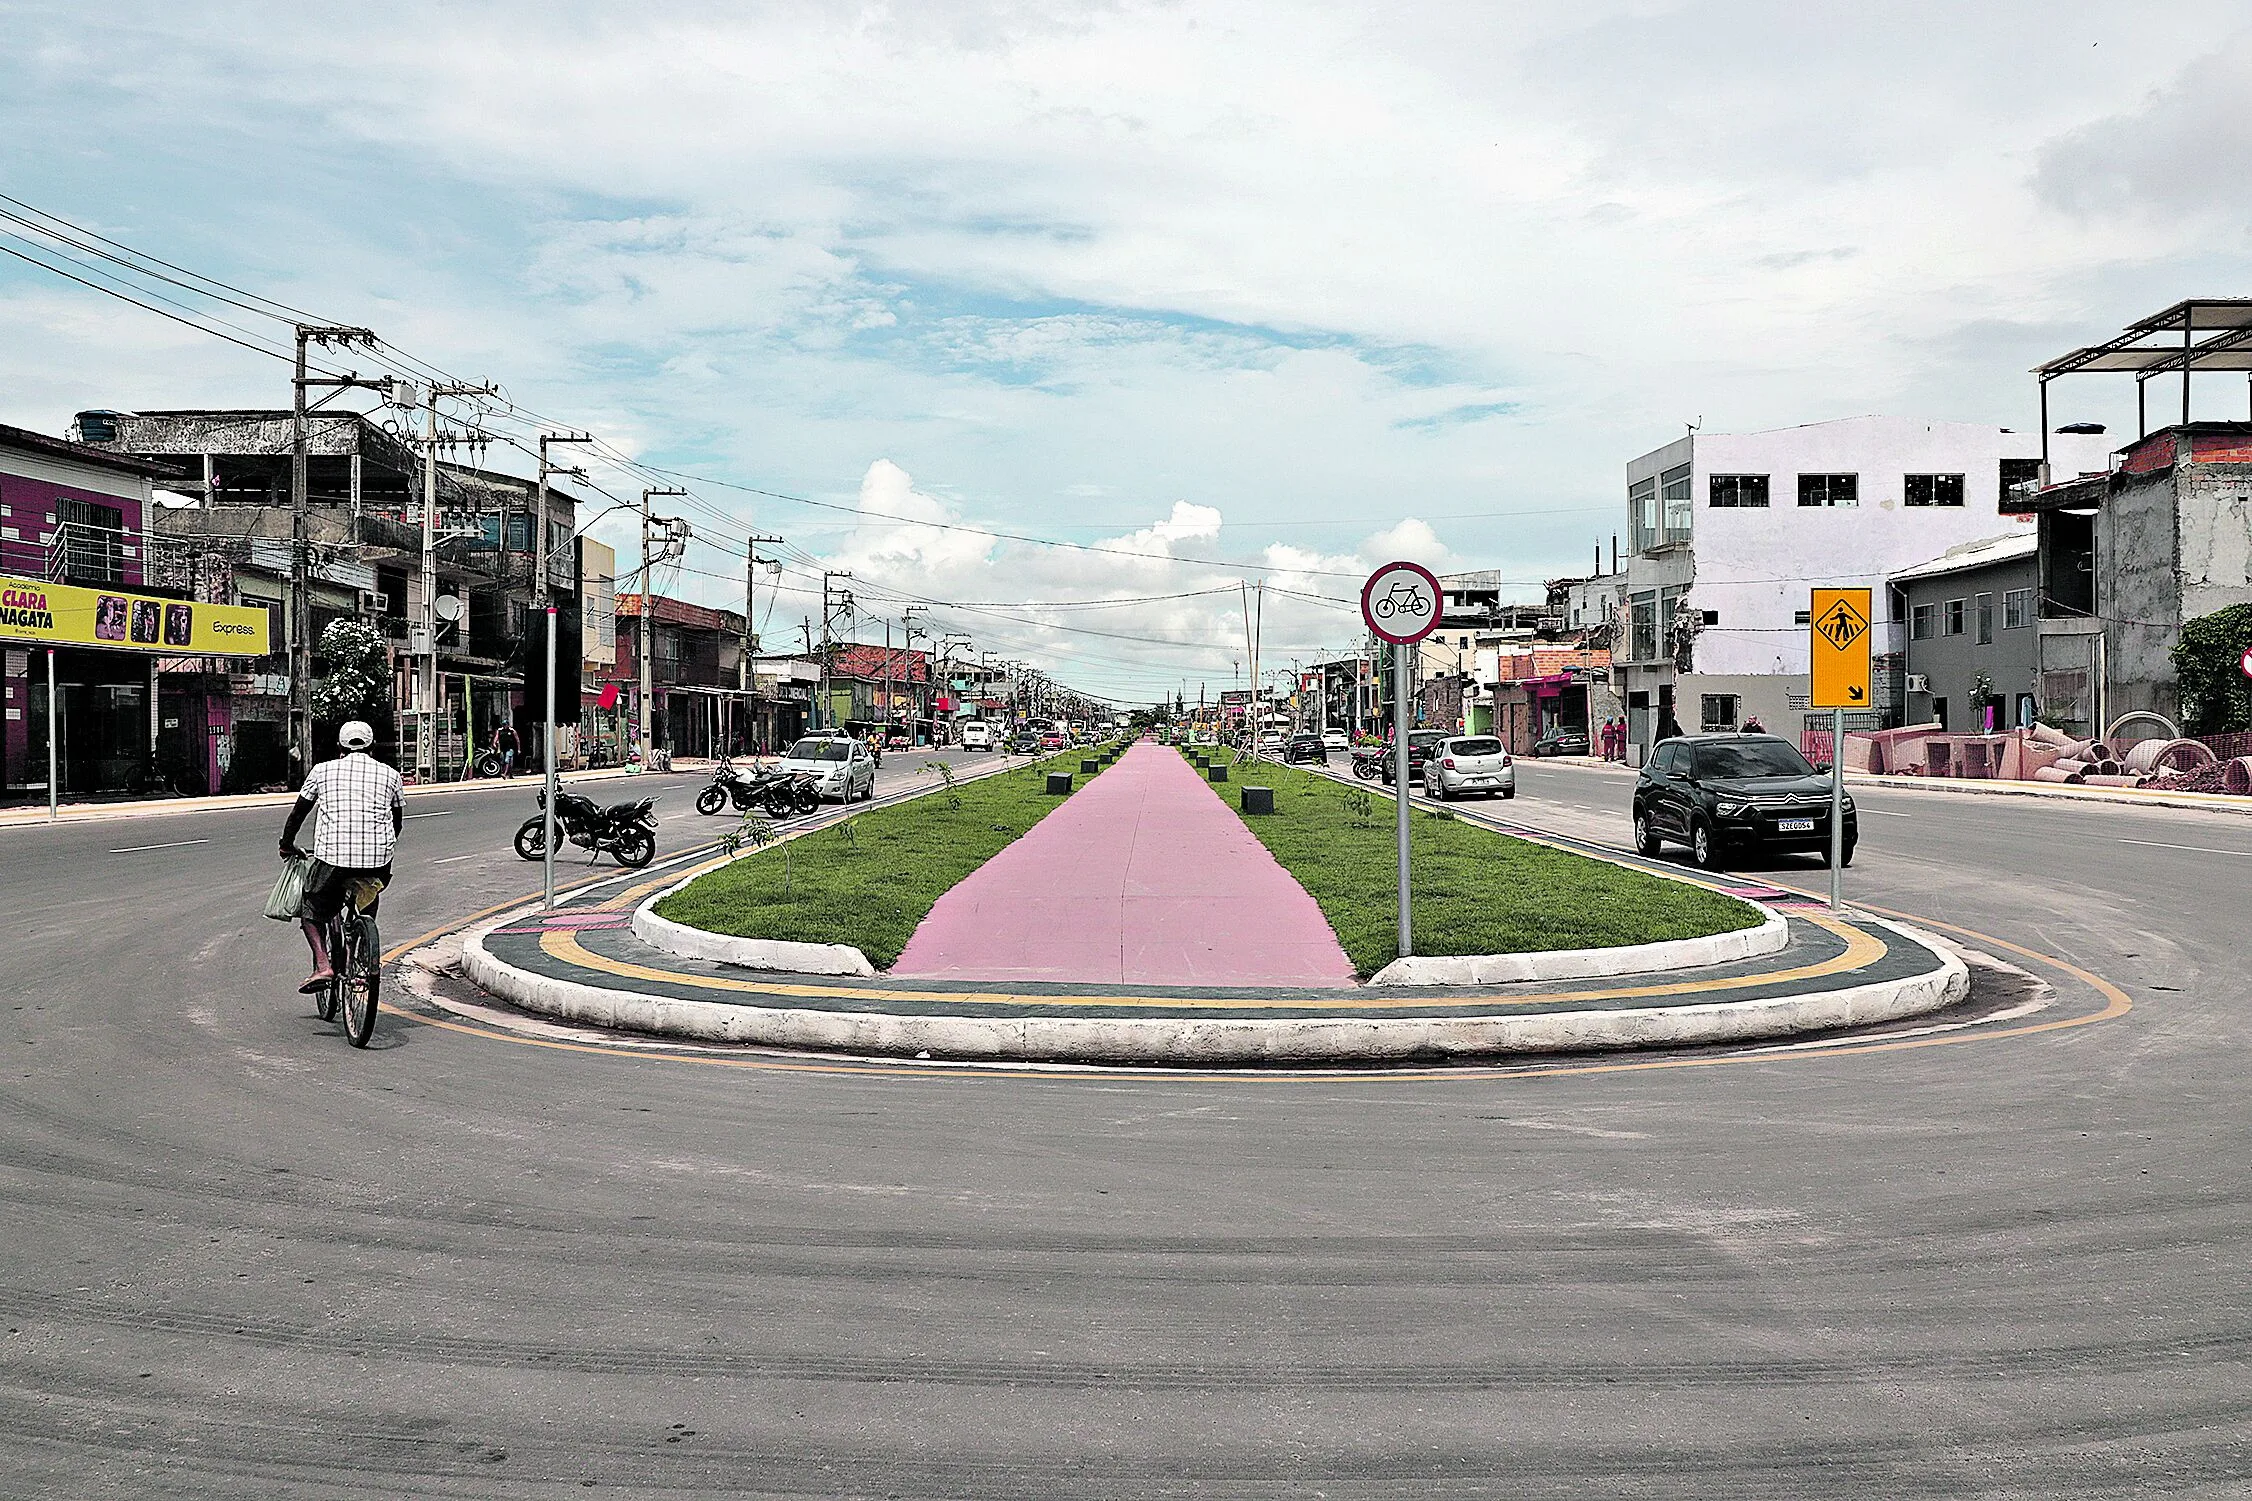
289	889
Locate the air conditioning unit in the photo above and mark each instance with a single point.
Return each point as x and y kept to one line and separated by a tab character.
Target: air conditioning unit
372	602
1918	683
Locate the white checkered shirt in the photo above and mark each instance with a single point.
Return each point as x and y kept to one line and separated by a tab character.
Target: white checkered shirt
353	797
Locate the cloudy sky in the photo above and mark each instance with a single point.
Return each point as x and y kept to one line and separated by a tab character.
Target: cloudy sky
1300	285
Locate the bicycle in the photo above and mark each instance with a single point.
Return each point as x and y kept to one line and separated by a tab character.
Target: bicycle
355	960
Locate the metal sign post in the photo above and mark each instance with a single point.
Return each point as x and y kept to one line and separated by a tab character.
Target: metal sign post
1838	680
1400	604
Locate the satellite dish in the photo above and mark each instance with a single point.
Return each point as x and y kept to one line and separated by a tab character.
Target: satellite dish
448	607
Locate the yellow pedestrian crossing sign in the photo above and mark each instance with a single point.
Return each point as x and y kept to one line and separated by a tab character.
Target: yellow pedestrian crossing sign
1838	647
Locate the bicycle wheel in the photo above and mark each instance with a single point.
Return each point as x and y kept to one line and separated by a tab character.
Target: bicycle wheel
360	977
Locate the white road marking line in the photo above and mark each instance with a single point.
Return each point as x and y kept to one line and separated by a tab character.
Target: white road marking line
1887	813
177	844
450	859
442	813
2202	849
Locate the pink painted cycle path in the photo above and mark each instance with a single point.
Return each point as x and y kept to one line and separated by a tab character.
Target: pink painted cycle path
1141	877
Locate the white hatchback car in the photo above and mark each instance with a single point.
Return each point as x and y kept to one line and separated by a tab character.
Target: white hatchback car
841	766
1336	740
1467	764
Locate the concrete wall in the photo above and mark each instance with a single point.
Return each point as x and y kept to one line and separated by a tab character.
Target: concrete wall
1953	663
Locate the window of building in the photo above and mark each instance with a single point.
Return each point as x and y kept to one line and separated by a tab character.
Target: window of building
1738	491
1829	489
1802	617
1645	643
1923	621
1931	489
1642	513
1718	712
1712	617
1955	617
1673	496
2017	609
2017	472
1986	620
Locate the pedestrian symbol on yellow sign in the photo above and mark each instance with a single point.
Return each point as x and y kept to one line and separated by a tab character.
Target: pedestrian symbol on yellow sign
1838	649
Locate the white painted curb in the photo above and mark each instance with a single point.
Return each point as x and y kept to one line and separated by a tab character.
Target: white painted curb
1205	1043
750	953
1769	936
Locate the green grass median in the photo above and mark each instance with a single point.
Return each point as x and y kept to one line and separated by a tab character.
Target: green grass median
870	880
1475	891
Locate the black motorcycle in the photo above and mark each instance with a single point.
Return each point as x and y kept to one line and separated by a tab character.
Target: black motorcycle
1372	765
626	830
779	793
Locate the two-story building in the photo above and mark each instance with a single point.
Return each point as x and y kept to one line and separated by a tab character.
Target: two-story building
1971	662
78	516
1730	532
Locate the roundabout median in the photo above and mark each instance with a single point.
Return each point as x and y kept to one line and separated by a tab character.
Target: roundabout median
1776	971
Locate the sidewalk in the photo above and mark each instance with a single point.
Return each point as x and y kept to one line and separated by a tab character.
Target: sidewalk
36	815
1144	877
2148	797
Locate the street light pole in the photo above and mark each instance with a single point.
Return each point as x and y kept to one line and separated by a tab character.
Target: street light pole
546	597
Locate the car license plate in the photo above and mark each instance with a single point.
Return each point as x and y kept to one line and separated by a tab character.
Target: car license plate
1794	825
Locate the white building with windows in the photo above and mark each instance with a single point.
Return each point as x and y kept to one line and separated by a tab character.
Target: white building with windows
1731	530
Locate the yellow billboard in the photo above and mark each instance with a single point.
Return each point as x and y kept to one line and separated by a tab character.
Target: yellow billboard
1839	648
68	615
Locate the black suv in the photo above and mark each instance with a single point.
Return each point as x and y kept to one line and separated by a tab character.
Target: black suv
1305	748
1717	793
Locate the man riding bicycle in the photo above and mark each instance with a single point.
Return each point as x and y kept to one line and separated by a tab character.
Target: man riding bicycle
362	808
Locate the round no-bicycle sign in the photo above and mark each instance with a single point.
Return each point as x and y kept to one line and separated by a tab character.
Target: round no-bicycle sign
1400	602
2245	662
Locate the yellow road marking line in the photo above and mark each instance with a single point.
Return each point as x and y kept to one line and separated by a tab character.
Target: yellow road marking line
1861	949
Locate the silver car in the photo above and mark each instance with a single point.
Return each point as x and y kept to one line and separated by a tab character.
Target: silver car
1469	764
841	766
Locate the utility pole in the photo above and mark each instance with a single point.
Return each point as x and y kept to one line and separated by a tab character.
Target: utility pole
300	541
426	691
648	628
914	701
746	680
833	602
546	598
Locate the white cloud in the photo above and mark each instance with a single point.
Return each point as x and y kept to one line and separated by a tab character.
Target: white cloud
1115	271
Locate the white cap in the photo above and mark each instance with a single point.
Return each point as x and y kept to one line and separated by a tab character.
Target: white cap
356	735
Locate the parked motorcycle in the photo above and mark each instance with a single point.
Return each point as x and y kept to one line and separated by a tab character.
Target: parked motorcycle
1373	764
626	830
780	794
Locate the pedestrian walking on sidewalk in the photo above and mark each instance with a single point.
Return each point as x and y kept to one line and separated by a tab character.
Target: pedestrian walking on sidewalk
507	745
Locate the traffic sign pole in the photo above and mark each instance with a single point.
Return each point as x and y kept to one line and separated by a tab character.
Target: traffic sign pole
1838	679
1400	604
1400	690
1837	801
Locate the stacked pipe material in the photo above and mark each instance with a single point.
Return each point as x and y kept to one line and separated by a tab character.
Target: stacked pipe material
2113	779
2058	773
2174	755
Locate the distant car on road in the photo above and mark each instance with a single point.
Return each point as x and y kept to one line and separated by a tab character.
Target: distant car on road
1725	793
1023	743
1336	740
977	735
1305	748
1055	740
1469	764
841	766
1565	742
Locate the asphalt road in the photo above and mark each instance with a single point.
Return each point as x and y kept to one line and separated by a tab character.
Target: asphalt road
240	1259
